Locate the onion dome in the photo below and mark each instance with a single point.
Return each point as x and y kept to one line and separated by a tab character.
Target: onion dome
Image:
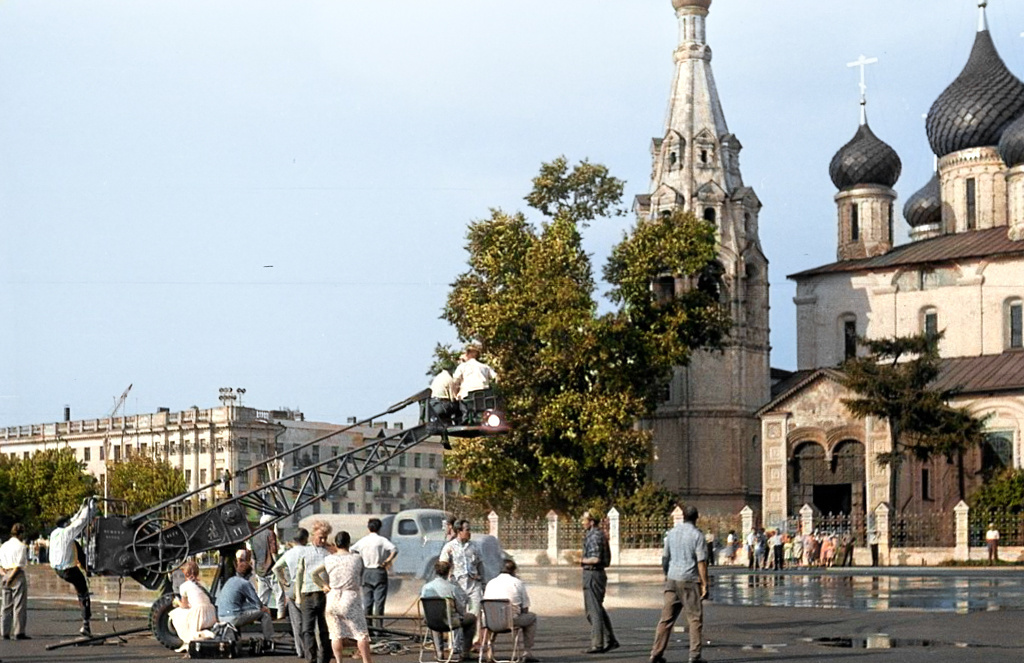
1011	144
924	207
865	160
978	105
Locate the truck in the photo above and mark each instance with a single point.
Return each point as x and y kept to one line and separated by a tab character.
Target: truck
418	534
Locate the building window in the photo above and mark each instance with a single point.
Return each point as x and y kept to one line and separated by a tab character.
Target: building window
87	454
997	452
401	460
417	485
188	478
417	460
849	338
664	288
351	507
1015	324
926	484
368	484
854	222
335	507
402	484
431	461
709	215
930	323
891	240
972	204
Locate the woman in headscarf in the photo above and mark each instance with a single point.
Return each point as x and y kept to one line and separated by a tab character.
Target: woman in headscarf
195	611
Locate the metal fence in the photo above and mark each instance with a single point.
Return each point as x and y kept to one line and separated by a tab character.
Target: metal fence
528	534
644	531
1009	525
923	530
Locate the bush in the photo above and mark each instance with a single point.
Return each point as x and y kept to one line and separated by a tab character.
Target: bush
1005	493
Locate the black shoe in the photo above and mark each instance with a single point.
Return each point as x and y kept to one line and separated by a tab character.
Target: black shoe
7	637
85	631
594	650
658	659
22	636
614	644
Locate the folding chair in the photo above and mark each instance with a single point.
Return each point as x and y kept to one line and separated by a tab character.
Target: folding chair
497	615
439	617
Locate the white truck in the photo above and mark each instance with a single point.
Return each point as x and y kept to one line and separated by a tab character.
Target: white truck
419	535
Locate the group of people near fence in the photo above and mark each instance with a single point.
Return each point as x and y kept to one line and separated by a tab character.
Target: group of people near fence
775	549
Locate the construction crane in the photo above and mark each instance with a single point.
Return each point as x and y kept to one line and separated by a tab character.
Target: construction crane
118	406
148	546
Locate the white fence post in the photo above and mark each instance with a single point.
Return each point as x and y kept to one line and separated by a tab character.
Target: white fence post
492	524
807	519
962	552
677	516
747	521
553	537
882	530
613	534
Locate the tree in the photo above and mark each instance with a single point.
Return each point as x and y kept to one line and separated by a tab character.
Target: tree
144	482
1003	493
895	382
41	489
575	381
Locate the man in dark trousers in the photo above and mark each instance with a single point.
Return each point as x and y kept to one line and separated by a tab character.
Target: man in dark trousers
64	557
377	554
596	558
684	561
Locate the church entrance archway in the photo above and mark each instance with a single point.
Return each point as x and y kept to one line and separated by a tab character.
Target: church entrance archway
832	487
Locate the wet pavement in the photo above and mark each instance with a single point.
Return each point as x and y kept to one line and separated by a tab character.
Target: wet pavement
901	615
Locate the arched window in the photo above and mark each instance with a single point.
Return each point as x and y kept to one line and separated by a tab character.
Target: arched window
854	222
1015	323
930	321
972	204
848	335
709	214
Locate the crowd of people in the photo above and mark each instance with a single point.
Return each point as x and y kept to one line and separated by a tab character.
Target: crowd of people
775	549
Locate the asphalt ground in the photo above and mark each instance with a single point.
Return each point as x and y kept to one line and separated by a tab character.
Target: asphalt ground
733	632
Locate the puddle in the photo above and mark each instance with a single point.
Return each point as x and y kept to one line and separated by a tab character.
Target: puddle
882	641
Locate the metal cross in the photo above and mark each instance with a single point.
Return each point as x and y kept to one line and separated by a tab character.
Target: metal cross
862	62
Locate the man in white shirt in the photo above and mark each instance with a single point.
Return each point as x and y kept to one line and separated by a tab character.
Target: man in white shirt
286	570
507	586
377	554
992	543
64	560
442	398
14	584
471	375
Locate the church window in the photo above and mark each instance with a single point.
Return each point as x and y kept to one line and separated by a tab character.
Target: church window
709	214
703	156
926	485
972	204
891	240
930	322
854	222
664	288
997	451
849	338
1015	324
665	213
672	159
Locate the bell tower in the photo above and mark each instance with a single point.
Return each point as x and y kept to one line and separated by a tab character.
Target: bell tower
706	437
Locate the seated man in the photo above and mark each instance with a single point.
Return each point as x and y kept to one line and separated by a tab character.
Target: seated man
238	604
463	622
507	586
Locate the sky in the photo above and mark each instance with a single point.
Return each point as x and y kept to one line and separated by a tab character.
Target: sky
274	194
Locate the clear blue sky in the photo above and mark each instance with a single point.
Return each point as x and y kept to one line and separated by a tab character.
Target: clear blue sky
156	157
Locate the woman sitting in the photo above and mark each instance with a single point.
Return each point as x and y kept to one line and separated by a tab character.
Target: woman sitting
195	611
342	574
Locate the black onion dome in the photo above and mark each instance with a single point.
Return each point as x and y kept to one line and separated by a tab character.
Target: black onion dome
865	160
1011	144
925	206
977	106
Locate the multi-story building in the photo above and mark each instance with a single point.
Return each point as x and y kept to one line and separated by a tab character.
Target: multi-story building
204	444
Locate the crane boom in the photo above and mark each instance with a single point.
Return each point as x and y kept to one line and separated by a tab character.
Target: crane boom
148	545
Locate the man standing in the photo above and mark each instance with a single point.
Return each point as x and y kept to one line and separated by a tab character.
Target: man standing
316	641
443	588
64	557
992	542
507	586
14	584
467	564
285	569
596	558
470	376
263	545
238	604
686	585
377	554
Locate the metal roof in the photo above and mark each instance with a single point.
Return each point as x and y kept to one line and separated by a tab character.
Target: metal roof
987	243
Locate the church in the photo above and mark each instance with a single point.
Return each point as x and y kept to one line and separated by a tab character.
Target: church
962	273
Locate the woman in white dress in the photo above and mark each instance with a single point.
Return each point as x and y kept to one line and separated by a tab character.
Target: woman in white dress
342	574
195	611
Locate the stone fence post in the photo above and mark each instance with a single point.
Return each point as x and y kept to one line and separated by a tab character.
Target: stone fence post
807	519
492	523
962	553
882	530
747	522
614	541
553	537
677	516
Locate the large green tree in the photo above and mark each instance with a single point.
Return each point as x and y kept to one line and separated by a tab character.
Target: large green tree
39	490
144	482
895	382
576	381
